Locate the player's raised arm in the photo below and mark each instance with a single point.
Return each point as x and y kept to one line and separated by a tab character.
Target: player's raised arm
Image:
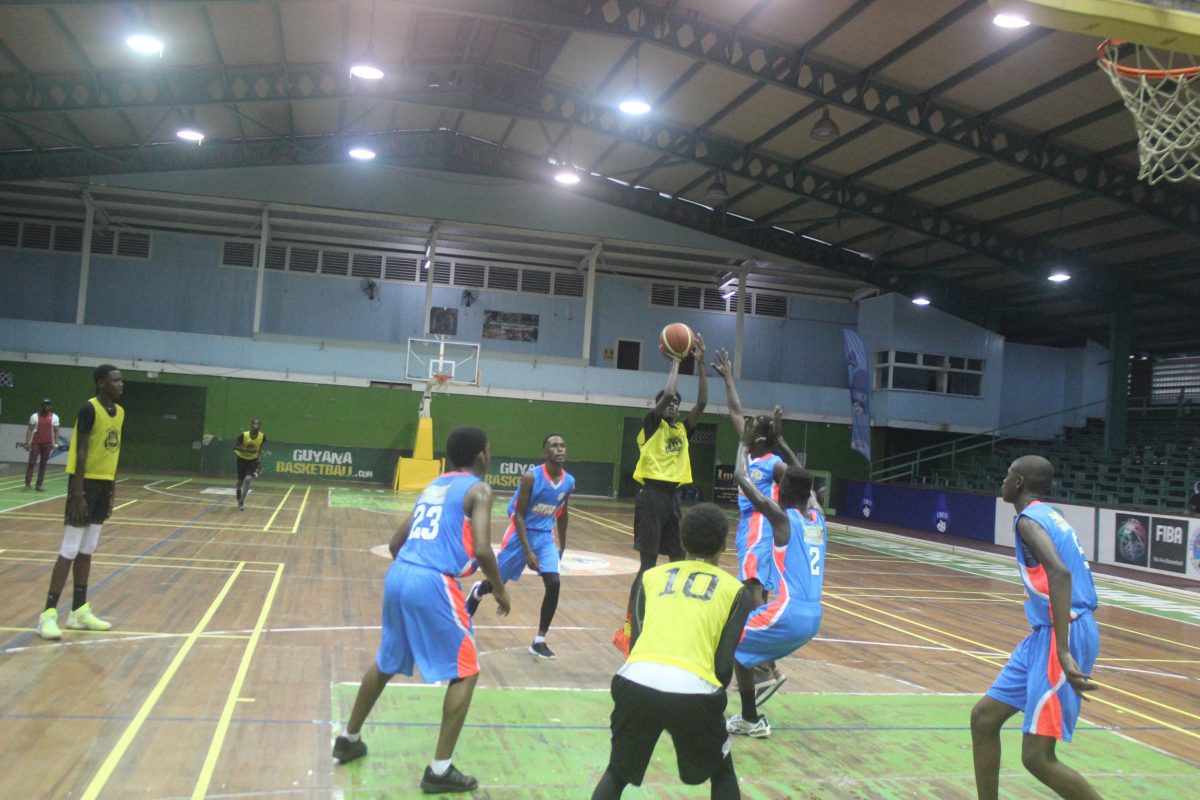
780	524
788	455
478	507
669	391
723	367
702	389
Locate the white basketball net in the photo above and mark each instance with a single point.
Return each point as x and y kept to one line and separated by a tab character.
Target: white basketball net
1160	90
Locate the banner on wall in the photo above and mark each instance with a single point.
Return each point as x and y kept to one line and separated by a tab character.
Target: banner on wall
858	380
309	461
510	326
591	477
970	516
1146	541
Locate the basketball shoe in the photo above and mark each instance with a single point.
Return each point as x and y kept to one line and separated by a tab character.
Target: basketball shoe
541	650
759	729
82	619
452	781
47	626
345	751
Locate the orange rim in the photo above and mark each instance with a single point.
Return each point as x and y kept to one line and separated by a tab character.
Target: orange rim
1108	64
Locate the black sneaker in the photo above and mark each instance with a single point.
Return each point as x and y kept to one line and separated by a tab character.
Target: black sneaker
541	650
345	751
452	781
473	600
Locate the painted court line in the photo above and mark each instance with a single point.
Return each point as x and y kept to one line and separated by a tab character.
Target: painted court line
181	483
118	752
231	700
279	508
299	514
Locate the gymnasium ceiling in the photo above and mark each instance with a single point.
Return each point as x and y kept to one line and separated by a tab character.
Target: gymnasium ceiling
972	161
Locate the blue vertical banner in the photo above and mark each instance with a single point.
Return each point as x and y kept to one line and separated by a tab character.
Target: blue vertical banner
858	379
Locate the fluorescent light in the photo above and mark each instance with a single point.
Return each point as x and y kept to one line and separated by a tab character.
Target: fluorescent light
362	153
635	106
145	43
190	135
367	72
920	300
566	176
1059	277
1009	21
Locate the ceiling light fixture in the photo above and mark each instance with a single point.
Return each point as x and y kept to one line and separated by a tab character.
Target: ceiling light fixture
920	300
1060	277
825	129
190	134
362	153
366	65
566	175
145	43
636	102
716	193
1010	21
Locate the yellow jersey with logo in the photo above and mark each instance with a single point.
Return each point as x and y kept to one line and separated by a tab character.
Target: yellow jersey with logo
104	444
687	604
250	446
664	456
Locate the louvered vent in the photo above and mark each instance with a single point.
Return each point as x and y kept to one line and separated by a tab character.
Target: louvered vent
35	236
770	305
662	294
441	272
470	275
503	278
400	269
303	259
103	243
689	296
335	262
276	257
233	253
10	232
68	238
535	281
568	284
133	245
366	265
714	300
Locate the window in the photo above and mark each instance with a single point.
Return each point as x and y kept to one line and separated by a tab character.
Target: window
1175	379
709	298
928	372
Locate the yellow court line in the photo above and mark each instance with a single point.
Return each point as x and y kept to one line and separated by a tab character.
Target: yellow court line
303	503
602	522
100	563
279	508
126	503
234	561
164	523
1000	655
118	752
980	645
181	483
96	635
231	700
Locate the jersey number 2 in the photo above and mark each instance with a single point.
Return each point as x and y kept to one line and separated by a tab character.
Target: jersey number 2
814	559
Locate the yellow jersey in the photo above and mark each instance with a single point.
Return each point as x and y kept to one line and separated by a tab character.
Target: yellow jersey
664	456
104	444
250	446
686	604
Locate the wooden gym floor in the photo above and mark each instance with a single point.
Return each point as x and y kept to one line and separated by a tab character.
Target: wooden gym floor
239	640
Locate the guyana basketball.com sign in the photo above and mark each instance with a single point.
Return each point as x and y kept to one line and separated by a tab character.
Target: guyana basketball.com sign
309	461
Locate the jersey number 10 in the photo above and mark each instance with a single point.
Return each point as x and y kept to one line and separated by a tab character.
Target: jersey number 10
689	584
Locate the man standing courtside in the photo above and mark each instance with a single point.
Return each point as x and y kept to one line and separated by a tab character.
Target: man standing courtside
1047	674
248	449
41	440
664	464
92	467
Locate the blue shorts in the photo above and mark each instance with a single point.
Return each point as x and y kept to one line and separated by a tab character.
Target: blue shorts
755	543
777	629
512	556
425	621
1033	680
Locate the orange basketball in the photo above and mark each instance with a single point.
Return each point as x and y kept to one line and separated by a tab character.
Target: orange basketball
677	339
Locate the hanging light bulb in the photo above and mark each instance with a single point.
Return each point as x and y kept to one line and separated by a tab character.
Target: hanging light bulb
716	193
367	66
825	129
636	103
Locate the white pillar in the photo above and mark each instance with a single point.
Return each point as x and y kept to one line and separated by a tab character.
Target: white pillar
739	324
431	259
589	302
85	258
261	266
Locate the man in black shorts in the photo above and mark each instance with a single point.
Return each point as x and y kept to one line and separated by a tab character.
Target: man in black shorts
689	618
92	467
248	449
664	465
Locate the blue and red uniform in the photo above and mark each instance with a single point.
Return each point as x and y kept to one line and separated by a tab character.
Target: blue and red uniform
781	626
1033	678
754	538
547	500
425	618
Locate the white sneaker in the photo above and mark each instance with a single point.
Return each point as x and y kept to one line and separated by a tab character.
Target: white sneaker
760	729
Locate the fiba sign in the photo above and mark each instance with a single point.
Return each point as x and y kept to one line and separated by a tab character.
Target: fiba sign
1168	545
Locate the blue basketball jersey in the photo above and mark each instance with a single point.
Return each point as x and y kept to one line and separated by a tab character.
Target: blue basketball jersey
762	472
440	536
801	564
1033	574
546	500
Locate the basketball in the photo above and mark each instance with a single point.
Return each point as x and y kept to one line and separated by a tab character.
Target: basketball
677	339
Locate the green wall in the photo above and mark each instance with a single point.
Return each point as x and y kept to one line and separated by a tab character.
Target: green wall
386	418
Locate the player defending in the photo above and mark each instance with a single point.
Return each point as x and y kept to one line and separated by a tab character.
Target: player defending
41	440
664	465
248	448
689	616
786	623
754	540
536	513
1048	673
424	612
92	467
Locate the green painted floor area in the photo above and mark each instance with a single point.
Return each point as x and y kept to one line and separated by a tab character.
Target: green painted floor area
523	743
370	499
13	494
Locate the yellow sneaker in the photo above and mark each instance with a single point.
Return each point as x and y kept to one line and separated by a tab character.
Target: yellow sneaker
82	619
47	625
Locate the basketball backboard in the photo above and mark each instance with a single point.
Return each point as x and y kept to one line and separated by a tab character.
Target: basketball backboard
430	357
1166	24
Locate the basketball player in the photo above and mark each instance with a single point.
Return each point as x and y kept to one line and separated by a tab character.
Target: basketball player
786	623
248	448
536	535
92	467
1048	673
689	616
663	466
425	618
41	440
754	540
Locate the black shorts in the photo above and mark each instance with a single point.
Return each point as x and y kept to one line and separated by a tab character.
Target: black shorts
696	723
99	495
247	467
656	513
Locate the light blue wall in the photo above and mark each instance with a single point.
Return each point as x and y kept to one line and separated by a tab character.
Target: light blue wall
1044	381
38	285
892	322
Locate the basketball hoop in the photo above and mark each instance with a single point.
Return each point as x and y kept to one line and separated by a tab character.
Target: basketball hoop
441	380
1160	90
